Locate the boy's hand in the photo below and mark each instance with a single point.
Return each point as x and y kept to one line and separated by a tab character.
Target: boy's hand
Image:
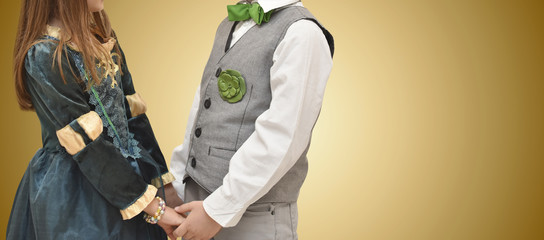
170	220
198	225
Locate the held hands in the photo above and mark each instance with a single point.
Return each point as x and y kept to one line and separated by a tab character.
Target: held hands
198	225
169	220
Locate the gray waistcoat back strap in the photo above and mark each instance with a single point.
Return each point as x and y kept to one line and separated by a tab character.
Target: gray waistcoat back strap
222	127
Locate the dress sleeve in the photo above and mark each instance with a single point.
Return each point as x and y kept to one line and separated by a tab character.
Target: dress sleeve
79	130
140	126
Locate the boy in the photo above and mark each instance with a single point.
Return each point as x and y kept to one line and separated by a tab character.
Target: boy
243	160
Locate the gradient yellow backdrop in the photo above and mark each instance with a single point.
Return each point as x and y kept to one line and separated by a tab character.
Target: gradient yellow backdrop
432	125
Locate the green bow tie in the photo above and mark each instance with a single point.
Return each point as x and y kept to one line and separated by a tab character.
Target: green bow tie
242	12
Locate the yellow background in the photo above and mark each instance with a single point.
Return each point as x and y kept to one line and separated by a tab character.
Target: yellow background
432	125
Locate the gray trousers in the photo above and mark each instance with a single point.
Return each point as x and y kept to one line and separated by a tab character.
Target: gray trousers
261	221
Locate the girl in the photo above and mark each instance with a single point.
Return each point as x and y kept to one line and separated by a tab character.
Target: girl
100	165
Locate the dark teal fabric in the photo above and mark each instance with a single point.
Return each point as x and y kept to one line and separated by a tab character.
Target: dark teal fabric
79	197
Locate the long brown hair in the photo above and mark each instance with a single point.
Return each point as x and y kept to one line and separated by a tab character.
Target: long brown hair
81	28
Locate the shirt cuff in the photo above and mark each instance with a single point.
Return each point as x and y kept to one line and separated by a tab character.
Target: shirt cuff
222	210
139	205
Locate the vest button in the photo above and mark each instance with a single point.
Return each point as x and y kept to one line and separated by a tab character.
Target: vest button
207	103
193	162
198	131
219	70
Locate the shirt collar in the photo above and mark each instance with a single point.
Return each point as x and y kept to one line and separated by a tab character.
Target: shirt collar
268	5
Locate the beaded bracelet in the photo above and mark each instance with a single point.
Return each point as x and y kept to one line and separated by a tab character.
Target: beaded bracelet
160	211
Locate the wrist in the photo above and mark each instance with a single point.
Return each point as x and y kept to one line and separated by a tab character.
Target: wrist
155	210
152	206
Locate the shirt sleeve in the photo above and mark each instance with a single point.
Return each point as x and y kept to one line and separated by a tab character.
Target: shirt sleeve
302	64
79	130
181	152
140	125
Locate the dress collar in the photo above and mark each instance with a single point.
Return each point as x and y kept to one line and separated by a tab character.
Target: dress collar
52	31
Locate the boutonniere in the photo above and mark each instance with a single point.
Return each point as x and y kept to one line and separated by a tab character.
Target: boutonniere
232	86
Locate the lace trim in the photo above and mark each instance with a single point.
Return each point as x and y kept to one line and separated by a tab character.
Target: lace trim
109	104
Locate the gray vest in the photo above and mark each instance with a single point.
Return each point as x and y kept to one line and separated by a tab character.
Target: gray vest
222	127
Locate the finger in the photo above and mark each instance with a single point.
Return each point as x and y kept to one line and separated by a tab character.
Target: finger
179	218
181	230
172	237
189	235
184	208
171	217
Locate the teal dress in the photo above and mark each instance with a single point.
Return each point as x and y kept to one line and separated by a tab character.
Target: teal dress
100	162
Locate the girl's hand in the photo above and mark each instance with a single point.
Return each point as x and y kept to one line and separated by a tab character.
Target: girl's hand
171	217
170	220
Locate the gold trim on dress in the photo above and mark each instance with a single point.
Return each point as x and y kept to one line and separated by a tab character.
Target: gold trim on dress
92	124
109	44
52	31
166	179
55	32
139	205
136	104
70	140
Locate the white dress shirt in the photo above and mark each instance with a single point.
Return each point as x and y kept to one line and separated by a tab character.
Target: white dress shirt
302	64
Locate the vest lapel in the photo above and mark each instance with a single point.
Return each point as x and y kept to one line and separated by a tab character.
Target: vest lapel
229	39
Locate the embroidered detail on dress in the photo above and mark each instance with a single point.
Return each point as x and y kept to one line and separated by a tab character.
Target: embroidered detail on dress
109	104
108	101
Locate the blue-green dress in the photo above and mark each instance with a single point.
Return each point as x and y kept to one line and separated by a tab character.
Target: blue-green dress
81	195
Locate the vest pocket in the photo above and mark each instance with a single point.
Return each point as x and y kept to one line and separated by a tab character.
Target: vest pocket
258	222
221	153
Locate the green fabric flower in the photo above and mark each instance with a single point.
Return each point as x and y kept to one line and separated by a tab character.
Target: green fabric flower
232	86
